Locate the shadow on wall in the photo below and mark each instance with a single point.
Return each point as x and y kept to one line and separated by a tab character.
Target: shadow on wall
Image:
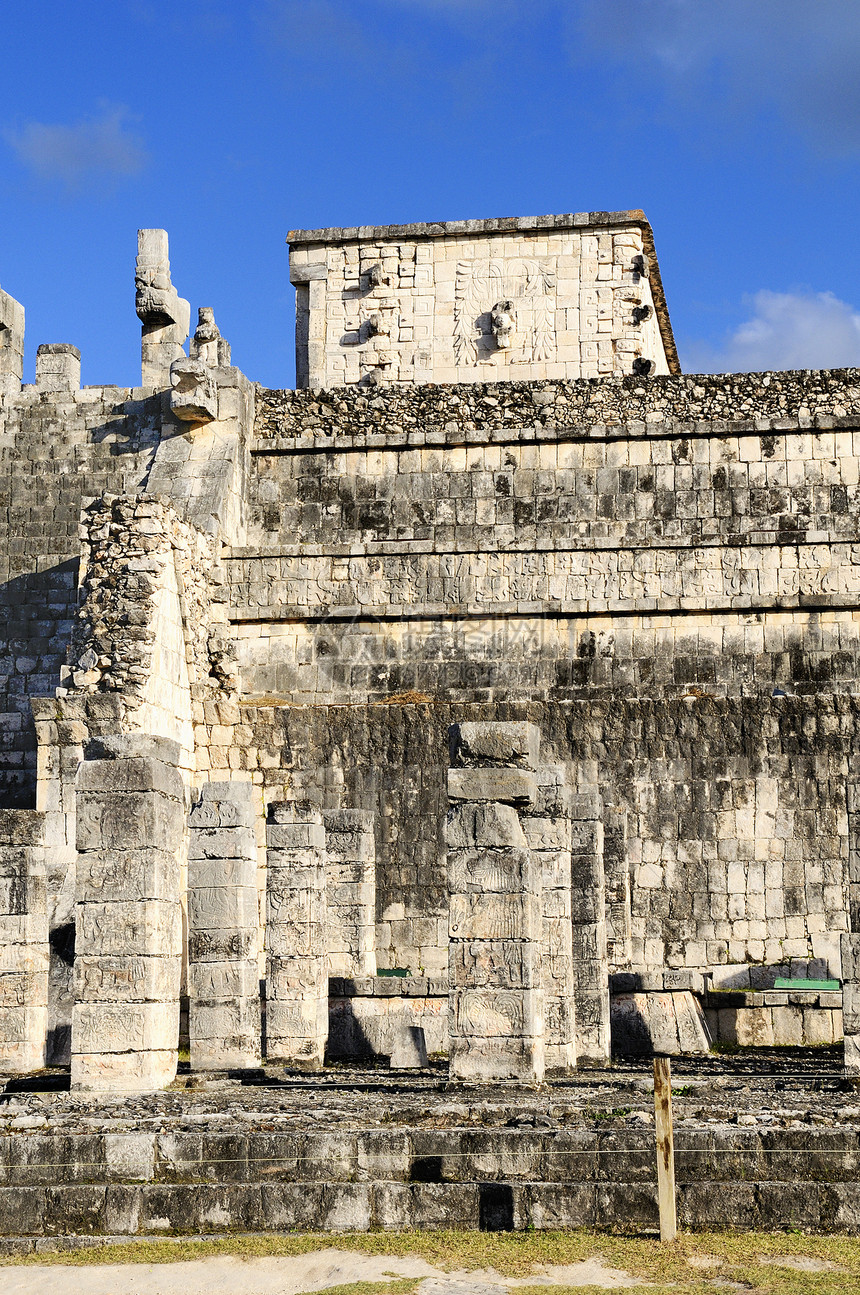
36	618
350	1040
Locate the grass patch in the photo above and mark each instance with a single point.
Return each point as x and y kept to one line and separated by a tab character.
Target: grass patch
697	1263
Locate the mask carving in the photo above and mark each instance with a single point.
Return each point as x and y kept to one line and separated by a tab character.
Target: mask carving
503	321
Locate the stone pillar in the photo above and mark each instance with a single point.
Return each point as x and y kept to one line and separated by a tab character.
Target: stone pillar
350	848
850	940
547	830
495	921
11	345
588	912
851	999
130	837
58	367
24	954
616	865
223	929
165	316
296	958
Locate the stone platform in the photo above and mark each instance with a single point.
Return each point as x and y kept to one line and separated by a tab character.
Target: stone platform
767	1139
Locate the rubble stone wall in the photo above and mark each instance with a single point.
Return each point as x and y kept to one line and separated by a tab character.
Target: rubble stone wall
55	449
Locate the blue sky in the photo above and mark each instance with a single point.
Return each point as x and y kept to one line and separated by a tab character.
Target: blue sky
735	124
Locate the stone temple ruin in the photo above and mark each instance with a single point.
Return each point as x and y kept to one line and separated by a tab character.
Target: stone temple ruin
493	694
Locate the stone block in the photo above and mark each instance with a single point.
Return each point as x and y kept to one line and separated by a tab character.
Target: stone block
850	956
507	786
408	1047
817	1026
496	1013
208	872
488	1060
753	1027
499	964
222	945
212	1020
129	1156
224	804
495	917
126	979
123	1072
730	976
216	981
116	875
489	871
787	1026
491	826
58	367
193	391
130	774
222	843
212	908
512	743
148	927
125	1027
127	821
851	1045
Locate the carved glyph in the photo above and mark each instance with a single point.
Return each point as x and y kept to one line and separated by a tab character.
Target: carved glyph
522	321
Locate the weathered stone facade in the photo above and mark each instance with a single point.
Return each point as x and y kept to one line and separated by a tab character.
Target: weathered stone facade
607	615
575	296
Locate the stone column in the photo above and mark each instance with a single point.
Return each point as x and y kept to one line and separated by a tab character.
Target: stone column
547	830
619	913
223	929
588	912
164	315
850	940
296	959
11	345
851	999
495	920
350	848
128	916
24	954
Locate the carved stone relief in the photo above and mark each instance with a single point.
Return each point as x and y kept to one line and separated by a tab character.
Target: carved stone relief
522	322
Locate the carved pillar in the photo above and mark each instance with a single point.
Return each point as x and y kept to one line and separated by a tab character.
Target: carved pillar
165	316
296	958
588	912
850	940
130	836
495	919
223	929
11	345
547	830
24	955
350	848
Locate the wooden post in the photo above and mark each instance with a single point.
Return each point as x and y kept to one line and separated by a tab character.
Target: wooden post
665	1148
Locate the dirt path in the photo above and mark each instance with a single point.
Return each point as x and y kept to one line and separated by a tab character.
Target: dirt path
288	1275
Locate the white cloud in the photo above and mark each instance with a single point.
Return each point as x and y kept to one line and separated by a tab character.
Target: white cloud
786	330
798	56
96	149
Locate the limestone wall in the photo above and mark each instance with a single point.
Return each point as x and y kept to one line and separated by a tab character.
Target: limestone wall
738	836
539	559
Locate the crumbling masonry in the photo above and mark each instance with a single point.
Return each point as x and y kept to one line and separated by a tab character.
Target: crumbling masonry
494	694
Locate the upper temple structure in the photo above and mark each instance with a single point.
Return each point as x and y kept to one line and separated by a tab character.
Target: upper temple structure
576	296
495	694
